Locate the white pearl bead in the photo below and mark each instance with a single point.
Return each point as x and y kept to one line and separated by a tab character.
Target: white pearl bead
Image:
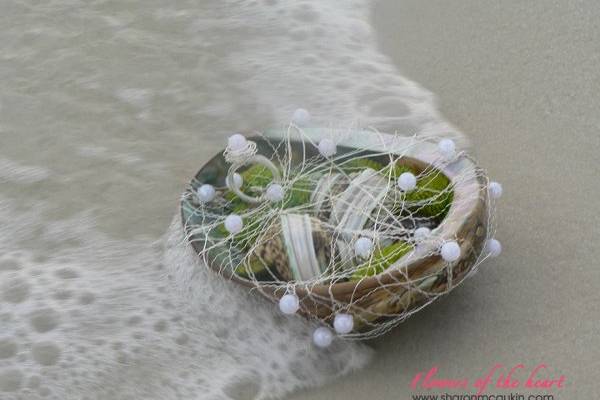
450	251
206	193
301	117
363	247
234	223
274	192
495	190
493	247
422	233
322	337
289	304
447	148
238	181
343	323
407	182
236	142
327	147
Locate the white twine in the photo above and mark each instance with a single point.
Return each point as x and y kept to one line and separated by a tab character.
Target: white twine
382	221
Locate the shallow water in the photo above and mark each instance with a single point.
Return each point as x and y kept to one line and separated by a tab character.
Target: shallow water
106	109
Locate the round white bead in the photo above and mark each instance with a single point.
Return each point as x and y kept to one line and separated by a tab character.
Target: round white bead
363	247
236	142
301	117
234	223
343	323
274	192
407	182
206	193
238	181
322	337
495	190
422	233
289	304
447	148
450	251
327	147
493	247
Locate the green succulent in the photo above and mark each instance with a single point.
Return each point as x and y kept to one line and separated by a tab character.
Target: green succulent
432	196
299	193
253	269
381	260
394	170
256	178
432	188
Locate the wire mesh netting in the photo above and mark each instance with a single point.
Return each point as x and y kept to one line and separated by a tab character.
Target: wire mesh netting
357	229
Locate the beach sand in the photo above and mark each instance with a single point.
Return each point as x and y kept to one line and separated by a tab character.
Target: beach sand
522	80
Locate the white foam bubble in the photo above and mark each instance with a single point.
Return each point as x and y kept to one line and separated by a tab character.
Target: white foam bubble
15	290
44	320
46	353
10	380
8	348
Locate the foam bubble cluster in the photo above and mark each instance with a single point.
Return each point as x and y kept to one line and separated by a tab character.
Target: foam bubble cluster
109	319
